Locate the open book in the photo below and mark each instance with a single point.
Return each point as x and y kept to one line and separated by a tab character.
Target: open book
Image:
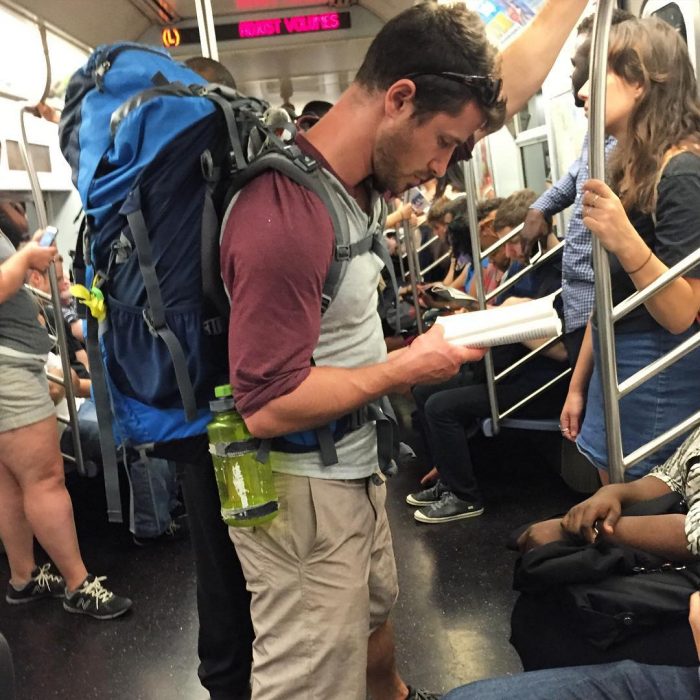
456	297
508	324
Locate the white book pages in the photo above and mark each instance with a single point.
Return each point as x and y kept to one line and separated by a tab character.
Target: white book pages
507	324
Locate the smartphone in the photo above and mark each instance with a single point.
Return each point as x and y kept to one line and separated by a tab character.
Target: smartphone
48	237
417	200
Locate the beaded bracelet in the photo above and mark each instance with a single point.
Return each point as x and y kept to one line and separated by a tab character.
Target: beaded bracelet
632	272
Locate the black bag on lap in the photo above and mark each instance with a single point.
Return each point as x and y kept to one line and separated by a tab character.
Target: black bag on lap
609	592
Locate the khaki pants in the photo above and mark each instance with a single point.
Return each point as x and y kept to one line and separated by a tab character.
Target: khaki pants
322	577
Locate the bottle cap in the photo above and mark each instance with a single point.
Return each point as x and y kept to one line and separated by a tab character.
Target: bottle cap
226	403
223	390
224	399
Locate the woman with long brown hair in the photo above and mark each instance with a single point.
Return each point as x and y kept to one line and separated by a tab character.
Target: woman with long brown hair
648	219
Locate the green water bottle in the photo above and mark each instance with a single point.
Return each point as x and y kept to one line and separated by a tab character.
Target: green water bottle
246	488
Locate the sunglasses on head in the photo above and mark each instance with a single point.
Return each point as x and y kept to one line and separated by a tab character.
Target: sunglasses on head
487	88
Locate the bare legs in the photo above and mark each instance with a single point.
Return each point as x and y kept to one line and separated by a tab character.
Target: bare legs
34	499
383	680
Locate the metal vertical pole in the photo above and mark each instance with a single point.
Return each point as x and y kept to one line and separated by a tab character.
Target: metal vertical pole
470	189
55	295
207	29
413	270
601	265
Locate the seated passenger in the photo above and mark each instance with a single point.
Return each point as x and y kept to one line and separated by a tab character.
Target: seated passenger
498	261
461	272
647	221
446	410
439	217
624	680
68	302
675	537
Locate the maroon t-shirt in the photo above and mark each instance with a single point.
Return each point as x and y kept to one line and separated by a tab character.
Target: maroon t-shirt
275	252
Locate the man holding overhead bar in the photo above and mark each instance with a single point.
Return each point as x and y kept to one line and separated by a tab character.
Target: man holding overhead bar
322	574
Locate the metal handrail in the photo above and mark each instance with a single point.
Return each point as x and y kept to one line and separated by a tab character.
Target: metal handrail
526	358
473	220
653	368
638	298
671	434
601	264
435	263
413	267
501	241
537	392
62	342
428	243
514	279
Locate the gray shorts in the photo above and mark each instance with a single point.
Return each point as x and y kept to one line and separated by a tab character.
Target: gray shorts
24	392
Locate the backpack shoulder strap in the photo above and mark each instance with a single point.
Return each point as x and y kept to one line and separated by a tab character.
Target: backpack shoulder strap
154	315
305	172
103	410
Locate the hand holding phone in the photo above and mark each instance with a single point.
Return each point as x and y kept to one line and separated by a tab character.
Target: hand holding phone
48	237
417	200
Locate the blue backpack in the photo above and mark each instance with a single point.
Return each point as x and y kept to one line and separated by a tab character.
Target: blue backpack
156	154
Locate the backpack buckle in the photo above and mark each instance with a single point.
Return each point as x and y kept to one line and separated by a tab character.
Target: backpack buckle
343	252
325	302
306	163
148	319
214	326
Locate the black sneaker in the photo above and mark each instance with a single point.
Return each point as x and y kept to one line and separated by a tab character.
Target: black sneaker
43	584
420	694
426	496
93	599
174	532
449	508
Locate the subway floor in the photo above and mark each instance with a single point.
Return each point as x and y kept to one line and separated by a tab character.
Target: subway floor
451	621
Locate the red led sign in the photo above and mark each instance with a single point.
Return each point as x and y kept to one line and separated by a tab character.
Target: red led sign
302	24
254	29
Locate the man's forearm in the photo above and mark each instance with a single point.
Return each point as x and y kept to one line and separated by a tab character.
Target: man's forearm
326	394
526	62
330	392
645	489
663	535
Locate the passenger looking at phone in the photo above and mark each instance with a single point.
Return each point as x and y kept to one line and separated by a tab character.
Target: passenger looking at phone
33	496
647	220
577	266
463	262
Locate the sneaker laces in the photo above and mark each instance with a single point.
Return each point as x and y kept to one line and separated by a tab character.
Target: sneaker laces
96	590
420	694
173	529
45	578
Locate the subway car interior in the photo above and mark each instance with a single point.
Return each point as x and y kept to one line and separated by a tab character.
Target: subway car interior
458	562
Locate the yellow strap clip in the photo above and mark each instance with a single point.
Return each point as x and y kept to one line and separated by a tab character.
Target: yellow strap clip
92	298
